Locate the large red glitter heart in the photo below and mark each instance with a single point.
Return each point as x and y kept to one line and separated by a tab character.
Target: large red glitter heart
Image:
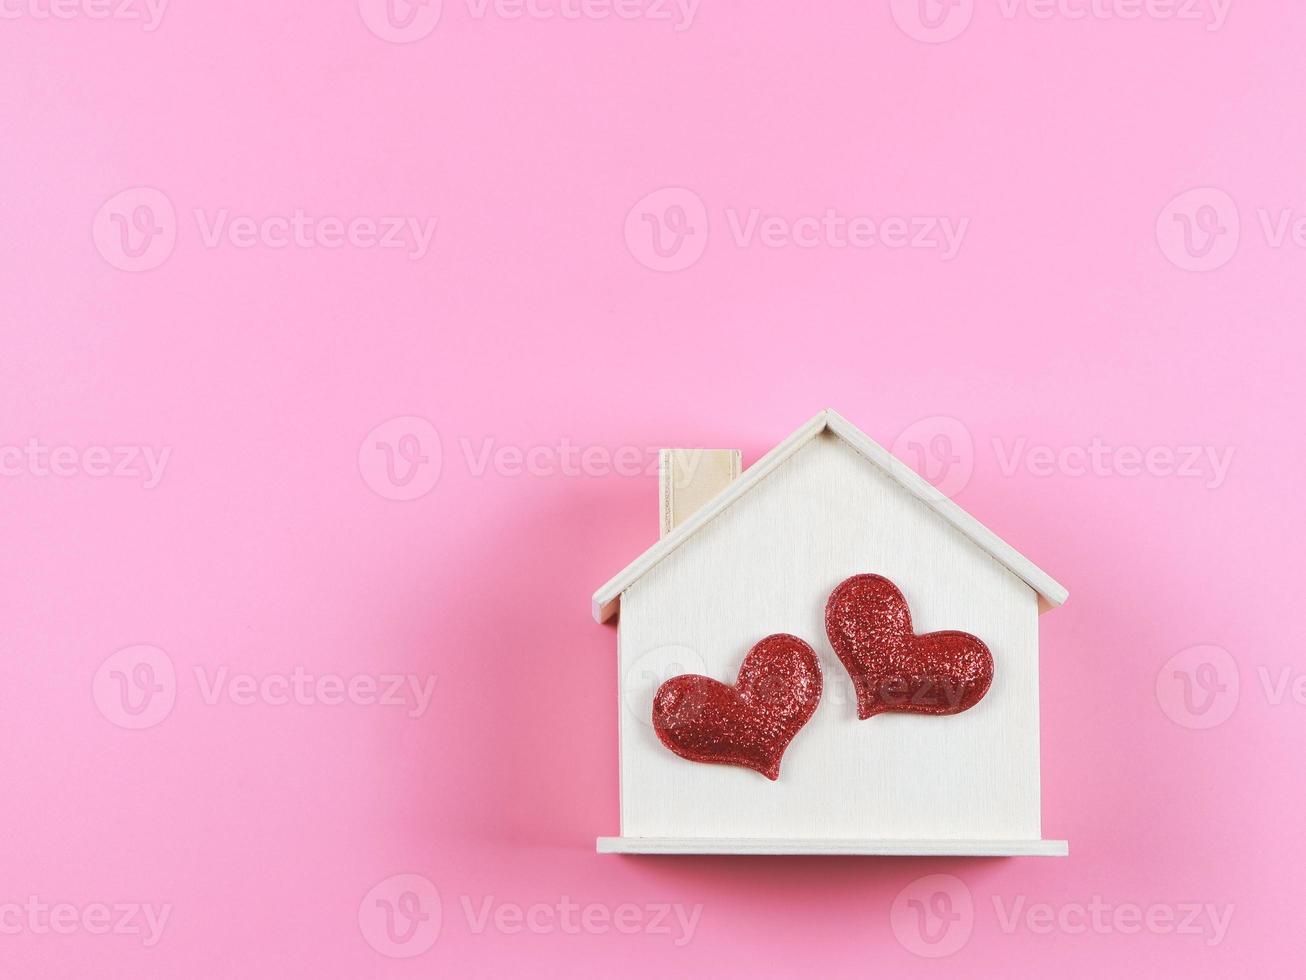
749	723
894	669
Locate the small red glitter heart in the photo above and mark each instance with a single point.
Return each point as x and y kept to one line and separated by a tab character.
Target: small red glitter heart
894	669
749	723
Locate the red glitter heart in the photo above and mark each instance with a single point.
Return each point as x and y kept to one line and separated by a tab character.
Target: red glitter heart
749	723
894	669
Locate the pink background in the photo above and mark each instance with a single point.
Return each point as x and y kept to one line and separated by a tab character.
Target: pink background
534	319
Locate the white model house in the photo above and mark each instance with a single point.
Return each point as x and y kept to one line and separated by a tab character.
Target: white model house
759	554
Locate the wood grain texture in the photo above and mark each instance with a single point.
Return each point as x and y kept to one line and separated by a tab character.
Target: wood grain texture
767	565
1051	593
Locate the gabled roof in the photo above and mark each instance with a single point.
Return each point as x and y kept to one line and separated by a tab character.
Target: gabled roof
1050	593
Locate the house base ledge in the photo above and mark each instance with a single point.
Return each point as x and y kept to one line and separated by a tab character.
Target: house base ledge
750	845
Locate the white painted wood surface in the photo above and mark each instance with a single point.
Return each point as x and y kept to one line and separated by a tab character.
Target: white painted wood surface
901	848
1051	593
767	564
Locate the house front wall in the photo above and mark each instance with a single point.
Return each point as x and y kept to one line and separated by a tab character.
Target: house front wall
767	565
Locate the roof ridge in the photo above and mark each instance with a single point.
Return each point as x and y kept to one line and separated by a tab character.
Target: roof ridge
1051	593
